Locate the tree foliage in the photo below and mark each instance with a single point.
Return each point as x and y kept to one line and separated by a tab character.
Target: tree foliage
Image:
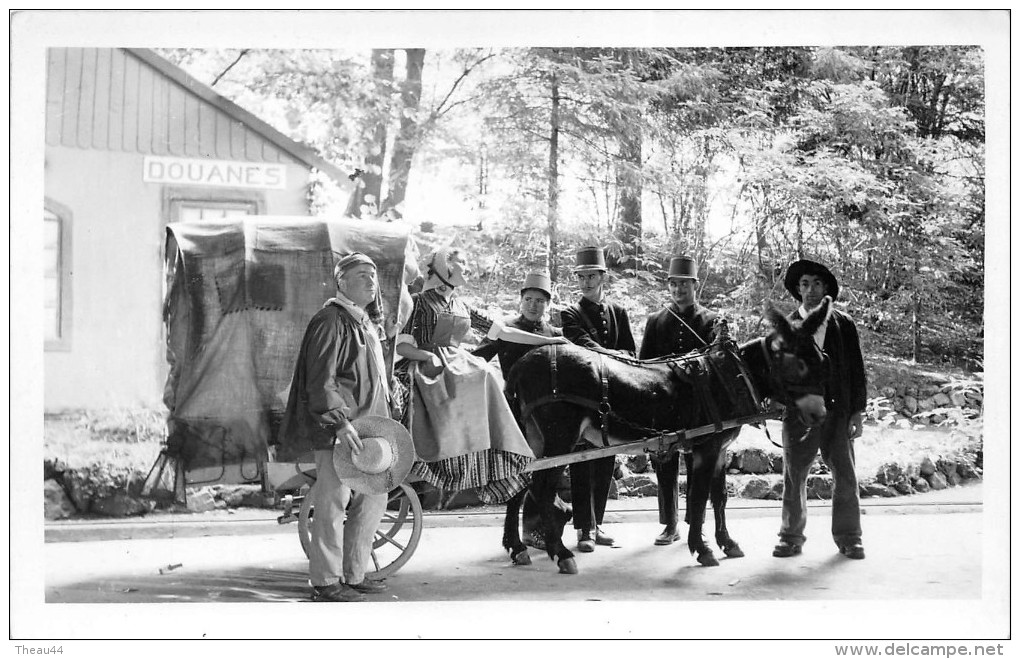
870	159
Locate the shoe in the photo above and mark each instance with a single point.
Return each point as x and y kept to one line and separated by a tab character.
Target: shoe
603	539
533	539
368	586
337	592
585	543
667	537
785	550
855	551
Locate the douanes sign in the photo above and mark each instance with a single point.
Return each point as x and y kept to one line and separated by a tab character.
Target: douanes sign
222	173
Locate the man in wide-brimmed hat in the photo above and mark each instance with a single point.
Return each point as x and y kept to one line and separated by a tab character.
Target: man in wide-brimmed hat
684	325
845	400
339	378
594	322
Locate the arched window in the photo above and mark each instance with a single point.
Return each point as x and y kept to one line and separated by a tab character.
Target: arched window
57	276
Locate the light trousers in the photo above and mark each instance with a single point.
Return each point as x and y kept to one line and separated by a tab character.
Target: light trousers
340	551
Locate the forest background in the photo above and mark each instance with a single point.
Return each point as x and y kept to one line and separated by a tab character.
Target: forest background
869	159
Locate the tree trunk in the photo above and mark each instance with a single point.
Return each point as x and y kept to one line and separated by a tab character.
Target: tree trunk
382	72
407	139
629	191
915	313
553	180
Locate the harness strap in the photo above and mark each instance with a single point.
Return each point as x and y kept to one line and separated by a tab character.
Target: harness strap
552	367
701	383
604	406
555	398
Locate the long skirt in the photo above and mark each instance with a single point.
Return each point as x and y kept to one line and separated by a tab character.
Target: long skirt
464	432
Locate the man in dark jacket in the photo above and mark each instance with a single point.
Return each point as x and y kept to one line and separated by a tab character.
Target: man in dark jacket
594	322
845	399
340	375
536	293
683	326
535	297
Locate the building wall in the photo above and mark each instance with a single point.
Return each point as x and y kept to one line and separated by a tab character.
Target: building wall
114	354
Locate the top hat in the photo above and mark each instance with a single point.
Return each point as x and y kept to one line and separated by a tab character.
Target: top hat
383	463
590	258
682	267
803	267
538	280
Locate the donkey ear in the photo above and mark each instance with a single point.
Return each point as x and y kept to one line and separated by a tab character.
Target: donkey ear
778	322
817	317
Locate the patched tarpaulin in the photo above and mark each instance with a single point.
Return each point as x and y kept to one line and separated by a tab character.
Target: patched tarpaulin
239	296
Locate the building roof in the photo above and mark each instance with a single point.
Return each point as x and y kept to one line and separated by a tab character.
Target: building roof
295	149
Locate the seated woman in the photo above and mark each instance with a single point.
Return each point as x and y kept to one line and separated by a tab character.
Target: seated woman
464	432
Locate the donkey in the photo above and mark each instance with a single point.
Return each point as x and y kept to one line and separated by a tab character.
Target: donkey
567	396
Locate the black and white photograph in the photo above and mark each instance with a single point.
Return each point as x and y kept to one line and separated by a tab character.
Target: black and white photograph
371	325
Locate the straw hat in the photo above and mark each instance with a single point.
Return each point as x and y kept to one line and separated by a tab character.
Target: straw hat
383	463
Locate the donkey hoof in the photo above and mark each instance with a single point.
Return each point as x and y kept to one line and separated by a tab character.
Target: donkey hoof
521	558
567	566
707	558
733	550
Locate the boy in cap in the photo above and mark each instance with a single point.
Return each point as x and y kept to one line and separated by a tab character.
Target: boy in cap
594	322
845	400
535	297
683	326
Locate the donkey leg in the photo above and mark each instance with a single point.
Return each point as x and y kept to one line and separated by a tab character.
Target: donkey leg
511	531
722	535
543	488
698	484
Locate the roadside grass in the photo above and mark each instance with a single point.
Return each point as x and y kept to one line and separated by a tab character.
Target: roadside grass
120	439
883	444
130	441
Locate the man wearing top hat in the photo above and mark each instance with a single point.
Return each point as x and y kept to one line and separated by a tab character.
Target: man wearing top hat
684	325
845	400
340	379
594	322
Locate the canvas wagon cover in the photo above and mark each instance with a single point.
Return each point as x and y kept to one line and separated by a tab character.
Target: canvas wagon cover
239	296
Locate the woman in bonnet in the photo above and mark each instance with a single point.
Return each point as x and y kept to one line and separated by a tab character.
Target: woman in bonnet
464	432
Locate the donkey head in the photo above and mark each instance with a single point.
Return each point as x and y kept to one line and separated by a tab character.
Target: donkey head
800	368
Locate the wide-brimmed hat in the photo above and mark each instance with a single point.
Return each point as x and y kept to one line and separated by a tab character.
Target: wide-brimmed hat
590	258
803	267
682	267
383	463
539	280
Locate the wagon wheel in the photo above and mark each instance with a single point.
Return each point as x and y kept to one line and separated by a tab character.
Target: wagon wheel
397	536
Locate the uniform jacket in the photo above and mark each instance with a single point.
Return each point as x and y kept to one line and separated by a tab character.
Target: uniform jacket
846	390
665	335
335	378
508	351
592	325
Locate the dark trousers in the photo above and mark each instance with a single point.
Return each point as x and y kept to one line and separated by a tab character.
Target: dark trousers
589	490
832	438
667	475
